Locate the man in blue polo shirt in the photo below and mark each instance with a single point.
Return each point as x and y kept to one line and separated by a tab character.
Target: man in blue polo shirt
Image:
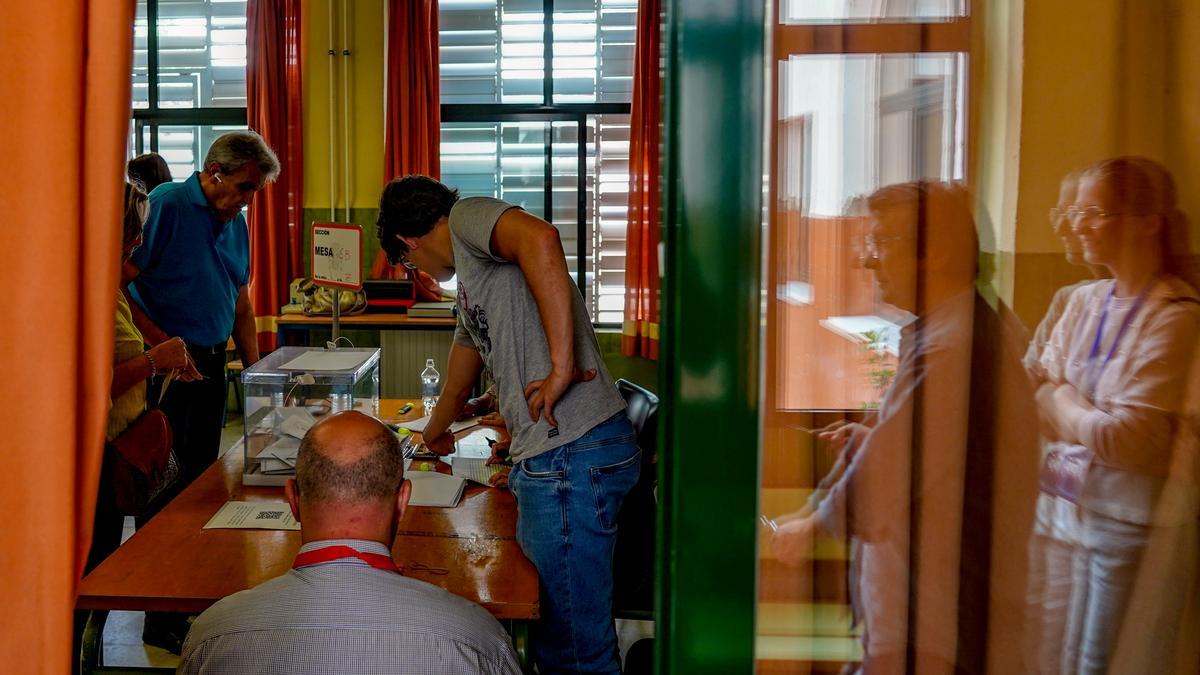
192	271
193	268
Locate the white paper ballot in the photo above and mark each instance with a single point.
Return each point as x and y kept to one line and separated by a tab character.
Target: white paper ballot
430	488
284	448
475	445
295	421
319	359
418	425
253	516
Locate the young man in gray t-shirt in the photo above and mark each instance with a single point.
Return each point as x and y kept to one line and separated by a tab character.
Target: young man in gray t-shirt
576	457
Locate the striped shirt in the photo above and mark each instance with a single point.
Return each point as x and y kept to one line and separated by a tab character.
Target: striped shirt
344	616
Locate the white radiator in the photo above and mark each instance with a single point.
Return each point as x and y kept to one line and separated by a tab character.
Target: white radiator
403	358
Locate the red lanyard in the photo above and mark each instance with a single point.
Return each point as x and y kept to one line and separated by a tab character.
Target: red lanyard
331	553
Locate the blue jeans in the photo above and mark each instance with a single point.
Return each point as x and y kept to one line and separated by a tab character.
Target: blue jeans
568	500
1110	580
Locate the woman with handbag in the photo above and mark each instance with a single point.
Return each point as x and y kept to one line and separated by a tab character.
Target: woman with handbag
1116	369
132	366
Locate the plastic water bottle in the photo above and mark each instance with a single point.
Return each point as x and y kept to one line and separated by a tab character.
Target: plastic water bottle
429	386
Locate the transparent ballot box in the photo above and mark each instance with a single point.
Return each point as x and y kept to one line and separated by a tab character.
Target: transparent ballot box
289	391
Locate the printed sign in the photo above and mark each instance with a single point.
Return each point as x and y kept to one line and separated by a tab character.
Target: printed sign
337	255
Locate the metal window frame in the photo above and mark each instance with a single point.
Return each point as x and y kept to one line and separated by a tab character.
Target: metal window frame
153	116
549	111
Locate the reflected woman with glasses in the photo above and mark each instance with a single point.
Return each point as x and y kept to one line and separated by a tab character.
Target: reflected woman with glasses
1056	526
1115	380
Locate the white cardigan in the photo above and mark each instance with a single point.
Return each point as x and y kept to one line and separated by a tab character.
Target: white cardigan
1140	396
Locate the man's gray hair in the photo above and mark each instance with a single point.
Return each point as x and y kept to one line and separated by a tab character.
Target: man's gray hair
235	149
376	475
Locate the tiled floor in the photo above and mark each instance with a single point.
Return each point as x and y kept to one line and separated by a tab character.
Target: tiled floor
123	631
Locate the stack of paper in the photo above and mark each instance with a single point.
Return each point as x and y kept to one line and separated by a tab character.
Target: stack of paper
280	456
430	488
432	309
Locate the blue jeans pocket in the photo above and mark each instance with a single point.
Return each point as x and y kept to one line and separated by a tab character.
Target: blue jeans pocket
544	466
610	484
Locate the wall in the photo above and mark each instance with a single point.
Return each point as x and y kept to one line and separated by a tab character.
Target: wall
366	38
1067	83
997	70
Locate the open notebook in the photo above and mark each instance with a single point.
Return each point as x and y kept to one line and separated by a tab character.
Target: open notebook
430	488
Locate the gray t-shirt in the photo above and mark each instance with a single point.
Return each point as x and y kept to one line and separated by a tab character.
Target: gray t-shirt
498	317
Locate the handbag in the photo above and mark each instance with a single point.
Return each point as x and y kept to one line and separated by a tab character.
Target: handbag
142	463
318	300
1064	470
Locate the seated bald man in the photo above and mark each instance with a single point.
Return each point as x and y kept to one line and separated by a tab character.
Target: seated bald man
344	607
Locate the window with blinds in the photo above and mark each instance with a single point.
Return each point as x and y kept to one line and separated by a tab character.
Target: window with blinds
189	78
552	137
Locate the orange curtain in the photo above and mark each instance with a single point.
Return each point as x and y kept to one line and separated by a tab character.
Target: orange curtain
66	88
639	333
413	123
412	137
273	105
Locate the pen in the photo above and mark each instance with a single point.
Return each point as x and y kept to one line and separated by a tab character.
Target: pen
404	409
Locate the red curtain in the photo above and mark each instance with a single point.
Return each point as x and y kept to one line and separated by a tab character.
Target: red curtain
639	333
65	84
273	105
413	121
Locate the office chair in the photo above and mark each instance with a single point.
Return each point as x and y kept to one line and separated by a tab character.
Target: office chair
633	559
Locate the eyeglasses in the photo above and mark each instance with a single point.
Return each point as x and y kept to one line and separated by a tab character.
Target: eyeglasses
401	259
1086	213
873	244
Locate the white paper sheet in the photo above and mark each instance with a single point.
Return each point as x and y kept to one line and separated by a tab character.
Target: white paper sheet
295	421
475	445
253	516
418	425
320	359
284	448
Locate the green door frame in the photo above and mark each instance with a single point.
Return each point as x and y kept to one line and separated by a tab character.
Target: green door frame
710	371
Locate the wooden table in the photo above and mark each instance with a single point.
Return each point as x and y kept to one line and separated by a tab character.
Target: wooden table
173	564
287	324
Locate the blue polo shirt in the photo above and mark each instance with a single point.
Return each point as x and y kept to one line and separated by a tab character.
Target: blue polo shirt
192	266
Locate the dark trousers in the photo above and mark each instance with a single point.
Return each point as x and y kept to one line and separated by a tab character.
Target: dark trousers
107	525
196	410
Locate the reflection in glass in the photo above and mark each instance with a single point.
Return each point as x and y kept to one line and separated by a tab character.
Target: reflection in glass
848	125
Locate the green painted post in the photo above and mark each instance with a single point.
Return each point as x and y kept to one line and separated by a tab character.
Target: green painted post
709	374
